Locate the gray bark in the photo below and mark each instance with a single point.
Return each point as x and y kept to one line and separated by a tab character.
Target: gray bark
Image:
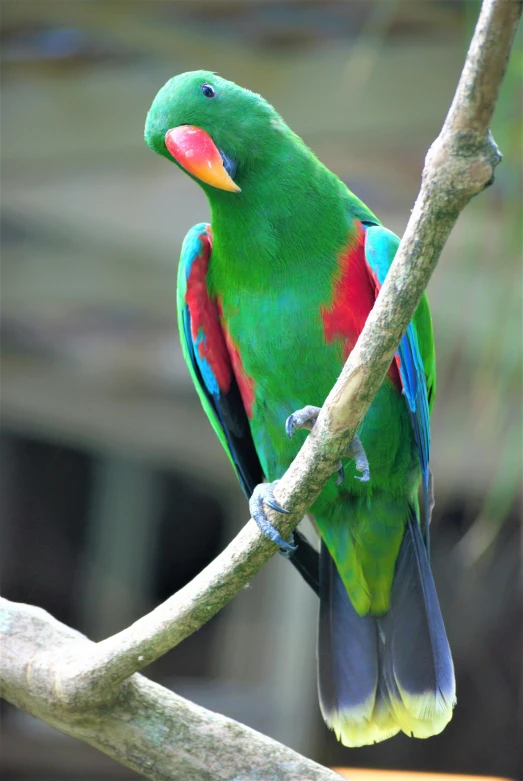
140	724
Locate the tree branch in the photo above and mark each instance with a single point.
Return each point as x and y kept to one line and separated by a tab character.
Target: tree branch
142	725
459	165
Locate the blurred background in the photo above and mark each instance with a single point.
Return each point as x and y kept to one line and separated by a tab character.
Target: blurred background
115	492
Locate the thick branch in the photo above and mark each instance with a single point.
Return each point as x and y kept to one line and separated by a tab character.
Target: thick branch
144	726
88	681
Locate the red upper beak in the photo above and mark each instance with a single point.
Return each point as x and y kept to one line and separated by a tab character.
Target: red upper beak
195	150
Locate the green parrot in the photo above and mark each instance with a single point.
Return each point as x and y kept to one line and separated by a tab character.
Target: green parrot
272	296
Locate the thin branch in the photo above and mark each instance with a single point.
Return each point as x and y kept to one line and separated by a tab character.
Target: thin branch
85	684
477	92
459	165
144	726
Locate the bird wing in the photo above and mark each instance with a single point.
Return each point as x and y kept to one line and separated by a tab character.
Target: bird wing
415	357
208	360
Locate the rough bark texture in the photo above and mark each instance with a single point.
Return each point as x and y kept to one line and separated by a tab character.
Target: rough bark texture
141	724
82	687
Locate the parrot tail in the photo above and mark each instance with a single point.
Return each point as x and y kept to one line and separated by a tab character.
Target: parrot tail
380	675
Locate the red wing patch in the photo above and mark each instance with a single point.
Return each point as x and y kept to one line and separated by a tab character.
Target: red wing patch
246	383
206	330
353	296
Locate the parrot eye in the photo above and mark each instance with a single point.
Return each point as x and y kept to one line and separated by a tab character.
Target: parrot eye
208	90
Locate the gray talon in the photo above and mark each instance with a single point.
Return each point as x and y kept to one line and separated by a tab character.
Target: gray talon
306	418
357	452
273	504
302	418
287	552
264	494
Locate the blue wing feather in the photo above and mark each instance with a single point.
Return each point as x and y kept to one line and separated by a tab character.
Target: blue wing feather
380	248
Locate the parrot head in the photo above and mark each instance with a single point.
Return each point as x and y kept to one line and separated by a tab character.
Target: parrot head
211	128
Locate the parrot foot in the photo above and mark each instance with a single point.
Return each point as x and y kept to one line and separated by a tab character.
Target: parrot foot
302	418
264	494
306	418
356	451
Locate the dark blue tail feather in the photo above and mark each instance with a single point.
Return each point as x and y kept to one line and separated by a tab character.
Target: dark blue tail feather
352	702
417	663
377	675
347	646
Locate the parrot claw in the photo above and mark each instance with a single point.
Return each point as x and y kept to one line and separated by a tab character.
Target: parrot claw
302	418
288	552
264	494
357	452
306	418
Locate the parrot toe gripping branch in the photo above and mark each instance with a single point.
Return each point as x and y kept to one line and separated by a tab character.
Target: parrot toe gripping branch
305	419
264	494
260	341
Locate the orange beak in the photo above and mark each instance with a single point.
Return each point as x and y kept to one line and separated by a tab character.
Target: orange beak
195	150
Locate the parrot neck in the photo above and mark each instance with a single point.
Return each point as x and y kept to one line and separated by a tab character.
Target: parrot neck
291	211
